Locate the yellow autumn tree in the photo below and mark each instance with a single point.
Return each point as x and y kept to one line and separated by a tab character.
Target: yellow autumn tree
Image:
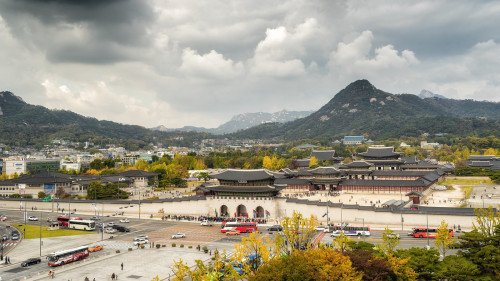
490	151
142	165
267	163
252	252
389	241
444	239
486	221
341	242
298	231
92	172
401	268
313	162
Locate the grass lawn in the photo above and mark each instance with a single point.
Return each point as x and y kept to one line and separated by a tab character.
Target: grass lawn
486	180
467	190
33	231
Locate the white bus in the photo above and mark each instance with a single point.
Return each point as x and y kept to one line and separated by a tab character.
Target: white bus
82	224
349	230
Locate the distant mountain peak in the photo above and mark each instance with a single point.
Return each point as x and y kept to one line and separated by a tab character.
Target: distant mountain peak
428	94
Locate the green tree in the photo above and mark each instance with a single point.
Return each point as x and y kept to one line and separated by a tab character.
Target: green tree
424	262
341	242
389	240
486	221
41	194
456	268
444	238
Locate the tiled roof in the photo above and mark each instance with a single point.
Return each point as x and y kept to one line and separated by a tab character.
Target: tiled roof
323	155
480	164
359	164
395	183
481	157
399	173
302	162
7	183
251	189
292	181
248	175
325	171
137	173
379	152
306	146
354	138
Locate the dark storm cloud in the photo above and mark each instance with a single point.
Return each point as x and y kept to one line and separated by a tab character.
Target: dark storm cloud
81	31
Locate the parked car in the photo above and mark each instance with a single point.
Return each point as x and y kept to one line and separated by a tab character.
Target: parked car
33	218
178	235
141	237
141	242
275	228
124	220
31	261
95	248
3	218
110	230
95	218
233	232
111	224
14	236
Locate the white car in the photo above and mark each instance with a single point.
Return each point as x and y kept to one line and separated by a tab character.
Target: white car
141	242
320	227
124	220
178	235
110	230
111	223
33	218
141	237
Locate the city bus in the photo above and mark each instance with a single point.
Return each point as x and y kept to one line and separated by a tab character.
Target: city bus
81	224
67	256
63	221
426	232
243	227
348	230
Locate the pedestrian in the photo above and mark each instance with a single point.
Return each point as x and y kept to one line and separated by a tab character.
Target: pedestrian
86	278
50	273
93	279
122	265
53	274
8	259
113	276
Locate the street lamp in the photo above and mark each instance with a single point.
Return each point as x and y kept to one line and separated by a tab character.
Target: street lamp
363	219
401	207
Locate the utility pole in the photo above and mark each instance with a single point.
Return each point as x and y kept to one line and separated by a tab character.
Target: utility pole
401	207
40	220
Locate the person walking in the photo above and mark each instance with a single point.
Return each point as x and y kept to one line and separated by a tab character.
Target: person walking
122	265
86	278
113	276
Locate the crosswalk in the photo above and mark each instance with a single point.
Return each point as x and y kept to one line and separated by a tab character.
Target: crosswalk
8	244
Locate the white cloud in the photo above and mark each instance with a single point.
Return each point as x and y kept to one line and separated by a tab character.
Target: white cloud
212	65
354	58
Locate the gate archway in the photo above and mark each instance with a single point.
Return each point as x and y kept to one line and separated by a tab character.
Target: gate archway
241	211
259	212
224	212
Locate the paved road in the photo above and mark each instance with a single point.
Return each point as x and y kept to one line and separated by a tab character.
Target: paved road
140	264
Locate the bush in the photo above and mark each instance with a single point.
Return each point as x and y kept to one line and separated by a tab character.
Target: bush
182	245
117	251
142	246
130	249
190	246
173	244
158	246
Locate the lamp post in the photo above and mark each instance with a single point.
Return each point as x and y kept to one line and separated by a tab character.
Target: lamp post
363	219
427	215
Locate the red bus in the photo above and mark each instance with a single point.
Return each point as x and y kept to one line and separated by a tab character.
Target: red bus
426	232
66	256
64	221
243	227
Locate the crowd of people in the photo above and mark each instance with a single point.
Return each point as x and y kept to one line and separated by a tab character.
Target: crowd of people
213	219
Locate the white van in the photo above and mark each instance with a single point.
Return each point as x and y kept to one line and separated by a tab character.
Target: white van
207	223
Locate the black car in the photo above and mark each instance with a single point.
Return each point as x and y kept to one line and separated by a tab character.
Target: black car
275	228
31	261
122	229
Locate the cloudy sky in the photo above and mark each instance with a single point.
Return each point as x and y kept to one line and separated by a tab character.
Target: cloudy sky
177	63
